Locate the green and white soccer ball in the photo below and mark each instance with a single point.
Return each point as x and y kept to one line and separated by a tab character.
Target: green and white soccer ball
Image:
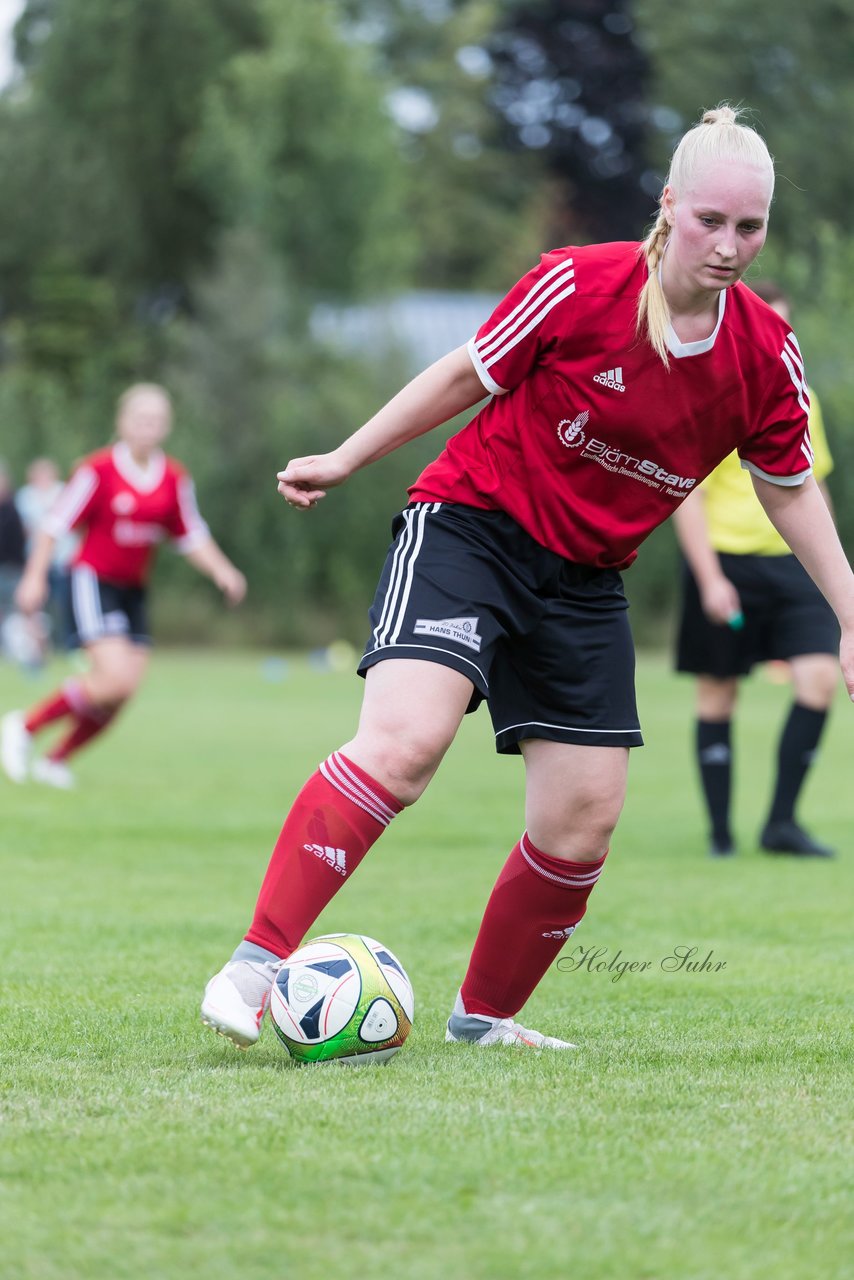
342	998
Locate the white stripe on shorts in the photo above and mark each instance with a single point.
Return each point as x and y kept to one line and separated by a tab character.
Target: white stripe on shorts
570	728
389	626
86	603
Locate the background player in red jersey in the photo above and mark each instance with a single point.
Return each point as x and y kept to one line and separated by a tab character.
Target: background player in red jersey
126	499
620	374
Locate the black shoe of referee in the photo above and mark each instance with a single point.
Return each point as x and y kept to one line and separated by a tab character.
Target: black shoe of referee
788	837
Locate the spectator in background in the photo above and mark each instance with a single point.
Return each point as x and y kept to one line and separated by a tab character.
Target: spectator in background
127	498
746	599
11	544
34	500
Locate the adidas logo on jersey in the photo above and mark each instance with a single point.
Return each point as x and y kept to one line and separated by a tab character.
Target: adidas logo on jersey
612	378
335	858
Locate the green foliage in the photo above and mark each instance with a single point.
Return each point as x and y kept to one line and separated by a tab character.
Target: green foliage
481	217
117	88
295	144
252	391
790	65
183	180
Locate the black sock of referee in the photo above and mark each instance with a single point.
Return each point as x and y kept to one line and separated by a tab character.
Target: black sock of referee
796	752
714	758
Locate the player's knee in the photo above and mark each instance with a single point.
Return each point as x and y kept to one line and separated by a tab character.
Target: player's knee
581	830
716	699
112	691
404	765
411	765
818	685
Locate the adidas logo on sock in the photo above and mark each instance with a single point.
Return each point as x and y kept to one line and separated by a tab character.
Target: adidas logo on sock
335	858
717	753
560	933
612	378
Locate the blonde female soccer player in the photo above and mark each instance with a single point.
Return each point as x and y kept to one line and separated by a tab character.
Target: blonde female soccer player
125	499
619	376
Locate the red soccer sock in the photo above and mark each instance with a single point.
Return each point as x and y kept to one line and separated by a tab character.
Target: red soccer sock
334	820
69	700
84	729
535	905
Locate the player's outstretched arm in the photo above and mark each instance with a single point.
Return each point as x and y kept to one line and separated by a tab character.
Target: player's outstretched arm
448	387
210	560
800	514
32	590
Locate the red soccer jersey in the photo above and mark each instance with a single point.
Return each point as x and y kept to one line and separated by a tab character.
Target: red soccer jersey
125	511
589	442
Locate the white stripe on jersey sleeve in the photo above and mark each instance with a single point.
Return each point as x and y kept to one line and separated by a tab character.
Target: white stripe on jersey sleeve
507	333
486	378
71	502
791	357
197	530
515	315
786	481
532	324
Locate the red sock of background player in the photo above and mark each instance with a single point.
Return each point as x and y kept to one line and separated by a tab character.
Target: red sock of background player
334	820
535	905
83	730
69	700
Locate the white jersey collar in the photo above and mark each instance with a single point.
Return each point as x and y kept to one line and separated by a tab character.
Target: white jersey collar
680	349
145	479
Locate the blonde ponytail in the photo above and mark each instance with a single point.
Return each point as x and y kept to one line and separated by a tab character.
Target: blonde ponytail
719	136
653	311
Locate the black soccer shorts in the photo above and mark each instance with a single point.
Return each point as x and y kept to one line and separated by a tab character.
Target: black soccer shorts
785	616
545	642
97	609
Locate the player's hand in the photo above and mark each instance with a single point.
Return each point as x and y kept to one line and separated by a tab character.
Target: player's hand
231	583
305	481
846	661
721	602
31	593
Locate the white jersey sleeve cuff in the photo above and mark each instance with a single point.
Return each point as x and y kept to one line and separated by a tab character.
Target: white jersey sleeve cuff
480	369
193	540
787	481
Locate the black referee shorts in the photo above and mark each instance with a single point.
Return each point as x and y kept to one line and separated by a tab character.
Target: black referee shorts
544	641
785	616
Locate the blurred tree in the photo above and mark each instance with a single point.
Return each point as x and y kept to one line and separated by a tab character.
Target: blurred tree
570	81
252	390
791	65
481	217
113	93
295	143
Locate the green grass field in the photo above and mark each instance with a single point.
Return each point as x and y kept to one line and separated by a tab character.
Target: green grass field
702	1131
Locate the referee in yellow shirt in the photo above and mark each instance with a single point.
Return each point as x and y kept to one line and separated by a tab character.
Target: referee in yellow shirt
746	599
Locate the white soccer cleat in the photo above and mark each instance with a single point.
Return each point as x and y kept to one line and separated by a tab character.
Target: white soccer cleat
53	773
16	746
480	1030
236	1000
